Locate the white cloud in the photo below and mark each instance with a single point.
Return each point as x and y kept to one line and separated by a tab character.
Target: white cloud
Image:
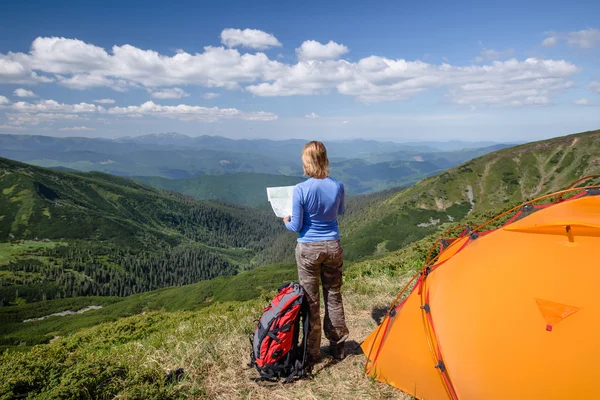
582	102
594	86
312	50
105	101
36	119
491	54
312	115
49	111
375	79
550	41
77	128
23	93
16	68
190	113
87	81
534	92
344	122
252	38
208	96
80	65
4	100
585	39
174	93
54	106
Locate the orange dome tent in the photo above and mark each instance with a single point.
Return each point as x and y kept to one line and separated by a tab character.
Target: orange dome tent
509	313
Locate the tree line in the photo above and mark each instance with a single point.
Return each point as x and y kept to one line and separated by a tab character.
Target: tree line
88	271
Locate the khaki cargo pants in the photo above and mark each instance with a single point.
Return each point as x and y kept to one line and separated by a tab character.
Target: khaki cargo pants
321	263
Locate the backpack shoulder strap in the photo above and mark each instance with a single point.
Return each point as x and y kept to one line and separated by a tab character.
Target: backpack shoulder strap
299	370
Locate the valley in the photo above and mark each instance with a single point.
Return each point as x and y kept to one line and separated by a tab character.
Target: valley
180	280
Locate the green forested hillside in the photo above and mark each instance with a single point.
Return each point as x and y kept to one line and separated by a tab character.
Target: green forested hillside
94	234
243	287
490	182
243	188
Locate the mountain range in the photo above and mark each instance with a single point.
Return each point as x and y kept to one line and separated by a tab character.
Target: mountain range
365	165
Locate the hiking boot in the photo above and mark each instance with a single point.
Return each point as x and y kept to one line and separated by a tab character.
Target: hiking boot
337	348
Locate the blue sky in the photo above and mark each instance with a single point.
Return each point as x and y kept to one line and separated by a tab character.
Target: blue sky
393	70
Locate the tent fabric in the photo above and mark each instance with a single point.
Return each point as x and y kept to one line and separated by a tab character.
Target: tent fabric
511	313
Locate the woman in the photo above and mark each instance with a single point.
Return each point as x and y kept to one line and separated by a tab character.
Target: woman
319	256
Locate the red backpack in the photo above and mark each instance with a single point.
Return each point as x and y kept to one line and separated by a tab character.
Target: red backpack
276	351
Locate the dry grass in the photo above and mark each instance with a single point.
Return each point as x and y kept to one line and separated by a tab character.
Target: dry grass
214	352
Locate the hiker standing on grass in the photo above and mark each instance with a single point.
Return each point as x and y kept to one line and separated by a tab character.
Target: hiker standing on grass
319	256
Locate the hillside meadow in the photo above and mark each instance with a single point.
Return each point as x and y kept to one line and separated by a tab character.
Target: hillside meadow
130	356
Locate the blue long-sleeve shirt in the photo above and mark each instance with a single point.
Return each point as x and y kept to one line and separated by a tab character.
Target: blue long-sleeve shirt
316	204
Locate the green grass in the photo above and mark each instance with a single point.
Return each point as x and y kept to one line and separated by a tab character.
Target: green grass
9	251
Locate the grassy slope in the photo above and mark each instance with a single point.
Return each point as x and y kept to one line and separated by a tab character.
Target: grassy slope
495	181
245	188
130	356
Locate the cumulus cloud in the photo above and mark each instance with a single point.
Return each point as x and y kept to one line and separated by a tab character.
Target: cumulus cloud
54	106
174	93
49	111
375	79
312	50
105	101
87	81
79	65
77	128
17	69
23	93
252	38
208	96
191	113
4	100
585	39
312	115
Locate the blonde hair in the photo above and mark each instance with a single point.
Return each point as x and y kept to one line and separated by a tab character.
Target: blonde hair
314	160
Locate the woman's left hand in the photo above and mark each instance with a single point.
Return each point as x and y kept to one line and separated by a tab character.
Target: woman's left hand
287	219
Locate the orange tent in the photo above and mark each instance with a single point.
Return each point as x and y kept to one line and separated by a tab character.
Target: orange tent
508	313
